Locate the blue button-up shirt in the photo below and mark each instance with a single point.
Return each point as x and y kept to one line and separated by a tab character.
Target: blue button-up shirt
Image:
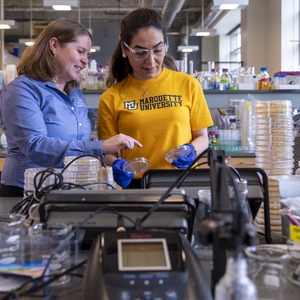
42	125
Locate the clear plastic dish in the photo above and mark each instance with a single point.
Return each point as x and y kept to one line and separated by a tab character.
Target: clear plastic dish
81	174
273	121
83	160
136	165
274	131
267	103
177	152
276	142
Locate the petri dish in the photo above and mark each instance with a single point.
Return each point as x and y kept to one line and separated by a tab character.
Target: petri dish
136	165
177	152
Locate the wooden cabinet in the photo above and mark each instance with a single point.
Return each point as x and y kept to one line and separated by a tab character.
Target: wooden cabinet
2	159
235	161
242	162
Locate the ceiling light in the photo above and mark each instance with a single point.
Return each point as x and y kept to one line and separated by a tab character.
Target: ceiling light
61	7
8	24
229	4
27	42
187	49
203	32
62	4
95	48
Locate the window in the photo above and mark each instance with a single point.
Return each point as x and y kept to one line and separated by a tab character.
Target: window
235	48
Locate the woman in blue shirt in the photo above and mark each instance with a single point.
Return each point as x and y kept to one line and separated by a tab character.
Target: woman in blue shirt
43	113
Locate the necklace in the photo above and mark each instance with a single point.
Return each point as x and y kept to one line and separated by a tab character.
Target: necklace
147	88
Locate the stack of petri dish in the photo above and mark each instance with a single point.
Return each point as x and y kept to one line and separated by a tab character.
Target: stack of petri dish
84	171
246	125
274	154
29	177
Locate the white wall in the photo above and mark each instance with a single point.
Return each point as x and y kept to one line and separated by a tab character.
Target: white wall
267	27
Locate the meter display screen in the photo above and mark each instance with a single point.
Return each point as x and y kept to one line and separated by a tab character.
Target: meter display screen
143	255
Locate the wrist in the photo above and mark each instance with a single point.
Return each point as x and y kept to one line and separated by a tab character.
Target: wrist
194	148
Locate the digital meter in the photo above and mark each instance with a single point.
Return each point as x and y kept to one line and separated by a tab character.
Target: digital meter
138	265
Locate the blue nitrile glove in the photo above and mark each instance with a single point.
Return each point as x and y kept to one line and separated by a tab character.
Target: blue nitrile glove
121	177
185	161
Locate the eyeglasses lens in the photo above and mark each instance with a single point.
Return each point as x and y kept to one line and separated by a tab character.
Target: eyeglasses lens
143	54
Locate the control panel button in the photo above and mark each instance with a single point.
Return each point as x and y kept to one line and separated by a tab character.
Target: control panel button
171	295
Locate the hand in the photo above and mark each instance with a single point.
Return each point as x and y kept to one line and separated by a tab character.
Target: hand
115	143
121	177
185	161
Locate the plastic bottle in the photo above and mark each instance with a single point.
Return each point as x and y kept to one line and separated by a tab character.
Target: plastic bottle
225	80
105	74
264	81
215	79
235	284
3	140
213	137
92	79
282	79
276	81
100	77
232	122
83	78
10	74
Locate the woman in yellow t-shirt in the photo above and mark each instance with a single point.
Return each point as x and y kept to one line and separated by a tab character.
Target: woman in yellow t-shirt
148	99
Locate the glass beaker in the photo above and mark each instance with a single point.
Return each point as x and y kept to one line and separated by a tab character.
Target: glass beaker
267	265
203	213
12	237
44	240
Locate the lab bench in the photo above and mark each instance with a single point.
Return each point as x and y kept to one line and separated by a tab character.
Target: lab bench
72	290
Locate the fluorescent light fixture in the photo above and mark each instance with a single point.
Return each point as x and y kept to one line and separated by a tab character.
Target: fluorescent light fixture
27	42
61	4
203	32
8	24
61	7
229	4
95	48
187	49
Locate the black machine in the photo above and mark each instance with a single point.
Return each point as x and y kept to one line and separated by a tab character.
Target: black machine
144	265
177	212
196	179
160	220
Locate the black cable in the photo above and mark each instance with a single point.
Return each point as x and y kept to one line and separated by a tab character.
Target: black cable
36	288
167	193
84	155
58	184
193	168
239	229
74	231
236	172
237	194
200	164
100	182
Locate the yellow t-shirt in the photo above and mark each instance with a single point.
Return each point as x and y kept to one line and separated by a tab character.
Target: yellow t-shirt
165	118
